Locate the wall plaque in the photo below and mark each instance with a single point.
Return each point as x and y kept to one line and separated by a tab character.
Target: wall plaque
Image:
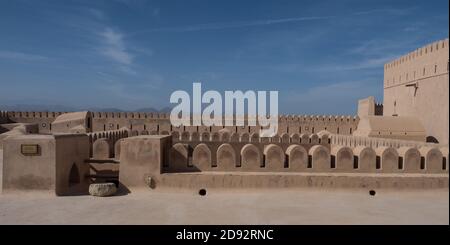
30	149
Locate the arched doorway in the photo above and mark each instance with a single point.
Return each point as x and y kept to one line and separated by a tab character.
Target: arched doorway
74	175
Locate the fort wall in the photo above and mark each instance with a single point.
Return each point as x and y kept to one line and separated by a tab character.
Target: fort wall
225	164
340	154
159	123
3	117
42	118
55	162
192	152
417	85
223	160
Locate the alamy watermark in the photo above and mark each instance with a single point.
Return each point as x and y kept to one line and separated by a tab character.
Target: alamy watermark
234	113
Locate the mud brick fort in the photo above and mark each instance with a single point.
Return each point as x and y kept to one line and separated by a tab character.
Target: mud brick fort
399	143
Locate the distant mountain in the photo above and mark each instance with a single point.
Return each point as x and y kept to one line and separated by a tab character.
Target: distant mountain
166	110
151	109
147	109
30	107
27	107
103	109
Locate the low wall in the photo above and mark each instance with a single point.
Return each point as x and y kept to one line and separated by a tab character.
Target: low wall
46	162
353	141
141	160
285	180
270	157
155	161
104	145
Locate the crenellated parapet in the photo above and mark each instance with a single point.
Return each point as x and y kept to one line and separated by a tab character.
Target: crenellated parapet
105	145
142	123
427	61
43	119
317	153
314	158
417	85
354	141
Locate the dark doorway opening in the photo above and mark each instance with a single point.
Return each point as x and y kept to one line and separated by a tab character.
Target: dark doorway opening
74	175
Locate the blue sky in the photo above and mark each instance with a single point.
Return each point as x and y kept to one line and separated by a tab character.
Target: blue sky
322	56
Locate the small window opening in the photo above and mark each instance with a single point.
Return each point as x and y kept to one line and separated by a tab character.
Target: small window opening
378	162
400	163
355	162
333	162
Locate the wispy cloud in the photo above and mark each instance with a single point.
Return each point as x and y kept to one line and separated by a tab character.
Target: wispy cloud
375	47
393	11
358	64
369	63
253	23
231	25
113	47
13	55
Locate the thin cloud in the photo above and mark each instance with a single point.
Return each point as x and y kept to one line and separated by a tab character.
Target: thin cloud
370	63
361	64
386	10
241	24
384	46
12	55
114	47
232	25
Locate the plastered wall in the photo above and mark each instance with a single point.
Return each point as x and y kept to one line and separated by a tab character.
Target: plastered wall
159	123
416	85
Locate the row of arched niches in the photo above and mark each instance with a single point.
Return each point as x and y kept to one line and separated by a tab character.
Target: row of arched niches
193	152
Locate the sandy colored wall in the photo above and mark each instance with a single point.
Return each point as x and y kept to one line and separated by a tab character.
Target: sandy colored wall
234	154
51	168
71	151
218	162
195	164
277	180
154	123
43	119
22	172
427	67
142	157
